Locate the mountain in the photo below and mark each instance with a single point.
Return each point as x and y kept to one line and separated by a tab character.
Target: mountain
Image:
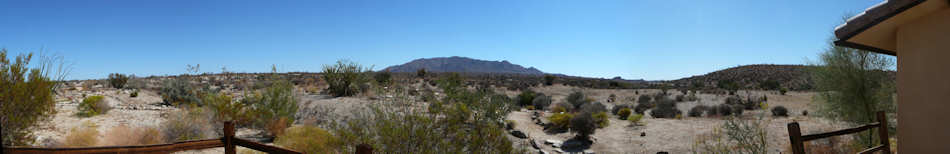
463	64
794	77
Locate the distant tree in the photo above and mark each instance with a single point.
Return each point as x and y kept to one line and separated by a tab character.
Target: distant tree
853	85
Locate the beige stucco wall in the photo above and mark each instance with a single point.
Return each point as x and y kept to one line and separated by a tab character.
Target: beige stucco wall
923	84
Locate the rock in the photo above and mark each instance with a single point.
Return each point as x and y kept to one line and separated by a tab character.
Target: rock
519	134
551	141
643	134
542	152
559	150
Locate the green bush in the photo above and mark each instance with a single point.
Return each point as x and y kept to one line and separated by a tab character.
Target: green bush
134	93
274	104
779	111
562	107
308	139
783	91
665	109
92	106
179	92
541	102
602	119
117	80
635	118
561	120
618	107
225	109
526	98
624	113
344	78
26	97
595	107
583	125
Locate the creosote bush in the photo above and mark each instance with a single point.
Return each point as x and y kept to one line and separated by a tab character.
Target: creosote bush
583	125
178	92
601	119
26	96
187	124
92	106
577	99
697	111
619	107
561	120
624	113
779	111
274	107
665	109
225	109
635	118
308	139
117	80
526	97
345	78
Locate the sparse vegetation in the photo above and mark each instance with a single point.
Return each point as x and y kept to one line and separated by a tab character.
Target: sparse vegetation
26	96
117	80
624	113
779	111
274	107
345	78
526	98
383	77
665	109
549	79
577	99
185	124
308	139
178	91
227	110
561	120
697	111
123	135
635	119
85	135
92	106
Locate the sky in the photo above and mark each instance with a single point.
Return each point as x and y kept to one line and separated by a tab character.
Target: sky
634	39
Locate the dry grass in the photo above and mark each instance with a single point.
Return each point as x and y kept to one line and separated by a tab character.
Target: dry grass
84	135
277	127
124	135
308	139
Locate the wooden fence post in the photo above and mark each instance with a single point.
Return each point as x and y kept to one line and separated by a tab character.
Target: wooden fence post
795	136
229	147
364	149
882	131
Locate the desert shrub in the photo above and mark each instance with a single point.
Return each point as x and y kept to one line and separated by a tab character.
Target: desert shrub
779	111
509	124
186	124
642	107
526	97
583	125
26	97
549	79
384	77
344	78
275	107
561	120
123	135
737	109
541	102
665	109
783	91
308	139
635	118
562	107
601	119
696	111
619	107
680	98
225	109
85	135
804	112
117	80
734	136
577	99
135	93
612	98
179	92
644	99
92	106
724	110
624	113
595	107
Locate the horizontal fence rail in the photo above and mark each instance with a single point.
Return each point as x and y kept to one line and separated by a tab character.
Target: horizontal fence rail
229	142
798	145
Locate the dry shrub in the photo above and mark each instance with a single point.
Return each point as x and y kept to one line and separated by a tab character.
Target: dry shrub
124	135
308	139
92	106
277	127
187	124
84	135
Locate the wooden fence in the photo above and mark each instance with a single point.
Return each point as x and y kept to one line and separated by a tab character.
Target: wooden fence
229	142
797	139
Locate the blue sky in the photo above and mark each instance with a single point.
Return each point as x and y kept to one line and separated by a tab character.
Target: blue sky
650	39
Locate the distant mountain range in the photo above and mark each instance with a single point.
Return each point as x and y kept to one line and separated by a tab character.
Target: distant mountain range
463	64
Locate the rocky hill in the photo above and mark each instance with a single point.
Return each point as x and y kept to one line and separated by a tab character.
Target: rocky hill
463	64
793	77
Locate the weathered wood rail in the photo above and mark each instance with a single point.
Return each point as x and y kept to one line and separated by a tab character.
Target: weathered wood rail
797	139
229	142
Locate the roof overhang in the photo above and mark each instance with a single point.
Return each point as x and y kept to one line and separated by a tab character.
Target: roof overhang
875	29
